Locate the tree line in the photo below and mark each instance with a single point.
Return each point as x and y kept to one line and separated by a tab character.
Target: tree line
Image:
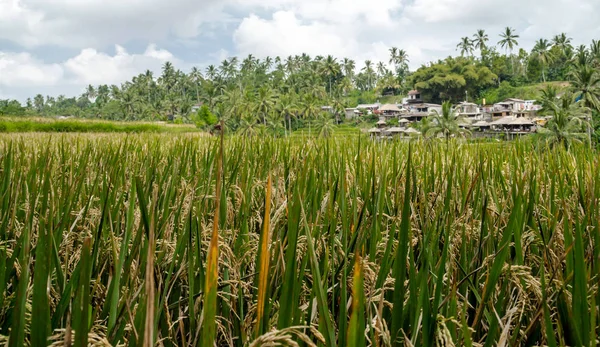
286	93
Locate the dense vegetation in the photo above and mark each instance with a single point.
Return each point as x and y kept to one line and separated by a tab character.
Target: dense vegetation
287	92
108	239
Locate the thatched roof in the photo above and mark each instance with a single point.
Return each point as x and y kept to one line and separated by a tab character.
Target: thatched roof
414	92
374	130
396	130
381	122
403	120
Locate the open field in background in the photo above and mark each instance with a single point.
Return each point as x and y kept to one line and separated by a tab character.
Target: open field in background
117	239
40	124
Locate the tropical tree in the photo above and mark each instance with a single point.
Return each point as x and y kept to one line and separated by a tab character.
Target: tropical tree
567	122
509	39
445	122
480	39
585	82
265	102
330	68
562	41
541	52
369	73
324	124
465	46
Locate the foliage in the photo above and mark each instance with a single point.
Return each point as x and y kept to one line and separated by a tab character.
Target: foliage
445	123
568	123
204	118
451	79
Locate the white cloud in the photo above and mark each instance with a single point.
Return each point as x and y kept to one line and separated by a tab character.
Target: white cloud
21	70
85	23
426	29
22	75
286	35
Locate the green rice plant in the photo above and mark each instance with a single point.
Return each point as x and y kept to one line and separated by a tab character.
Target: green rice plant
155	239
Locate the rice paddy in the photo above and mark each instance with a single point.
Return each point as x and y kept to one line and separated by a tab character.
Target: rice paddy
198	241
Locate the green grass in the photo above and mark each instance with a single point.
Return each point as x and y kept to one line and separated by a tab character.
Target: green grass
23	125
187	240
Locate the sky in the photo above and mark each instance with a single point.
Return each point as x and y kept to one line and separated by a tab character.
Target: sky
55	47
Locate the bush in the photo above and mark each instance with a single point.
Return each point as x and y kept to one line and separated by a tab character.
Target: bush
204	118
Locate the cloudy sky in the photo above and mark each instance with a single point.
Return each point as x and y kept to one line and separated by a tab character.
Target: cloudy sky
60	46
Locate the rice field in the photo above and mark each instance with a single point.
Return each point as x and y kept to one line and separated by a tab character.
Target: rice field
185	240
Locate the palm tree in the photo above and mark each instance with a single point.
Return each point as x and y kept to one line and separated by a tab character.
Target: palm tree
309	108
562	41
465	46
541	52
585	82
509	42
265	101
381	69
509	39
348	65
480	39
91	93
325	125
595	51
286	106
446	122
369	73
330	68
568	120
549	96
196	77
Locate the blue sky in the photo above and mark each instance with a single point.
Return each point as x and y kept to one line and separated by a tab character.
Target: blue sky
60	46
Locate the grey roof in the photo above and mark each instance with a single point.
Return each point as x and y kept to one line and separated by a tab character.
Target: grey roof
411	131
481	123
390	107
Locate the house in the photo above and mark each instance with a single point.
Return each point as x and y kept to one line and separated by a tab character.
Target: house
351	113
414	97
514	107
469	111
416	112
369	107
390	110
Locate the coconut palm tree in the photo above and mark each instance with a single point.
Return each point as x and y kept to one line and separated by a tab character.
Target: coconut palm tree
369	73
465	46
265	101
595	52
585	82
446	122
562	41
196	77
381	69
541	52
325	124
309	107
509	42
509	39
330	68
348	67
567	122
286	106
480	39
